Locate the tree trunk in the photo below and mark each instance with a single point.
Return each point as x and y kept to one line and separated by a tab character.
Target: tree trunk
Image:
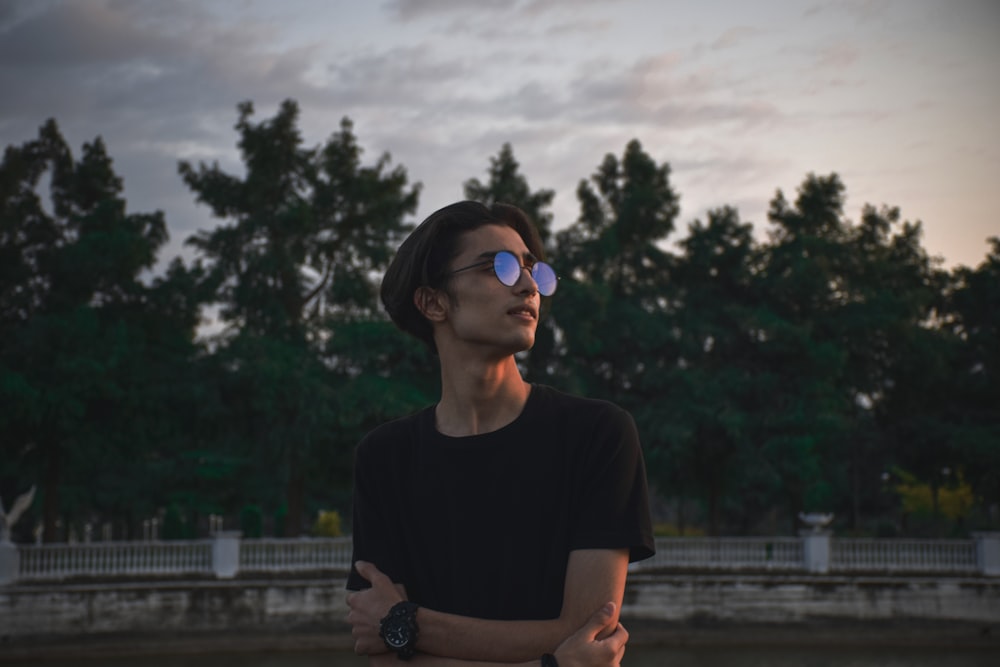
50	503
293	498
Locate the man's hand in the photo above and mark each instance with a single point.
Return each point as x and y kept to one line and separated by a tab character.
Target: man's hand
599	643
369	607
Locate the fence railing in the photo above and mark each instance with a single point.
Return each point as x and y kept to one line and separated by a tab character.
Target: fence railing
726	553
226	555
301	555
122	559
900	555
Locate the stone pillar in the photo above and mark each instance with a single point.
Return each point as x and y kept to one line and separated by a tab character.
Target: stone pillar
988	553
10	563
816	551
226	553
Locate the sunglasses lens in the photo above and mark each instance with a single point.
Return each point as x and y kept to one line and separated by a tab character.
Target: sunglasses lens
545	278
507	267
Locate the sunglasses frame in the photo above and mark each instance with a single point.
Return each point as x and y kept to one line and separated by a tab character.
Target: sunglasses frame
533	269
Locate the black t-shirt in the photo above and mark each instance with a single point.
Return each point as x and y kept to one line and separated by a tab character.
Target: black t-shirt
482	526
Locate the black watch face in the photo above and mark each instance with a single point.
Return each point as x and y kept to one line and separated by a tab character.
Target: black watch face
396	635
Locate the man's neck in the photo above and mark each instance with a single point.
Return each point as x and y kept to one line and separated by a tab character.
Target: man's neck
480	398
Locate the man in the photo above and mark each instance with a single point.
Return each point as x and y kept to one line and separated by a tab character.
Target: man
496	526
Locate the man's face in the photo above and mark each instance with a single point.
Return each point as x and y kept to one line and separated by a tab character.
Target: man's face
483	313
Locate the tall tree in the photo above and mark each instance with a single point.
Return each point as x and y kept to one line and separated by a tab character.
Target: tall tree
972	315
803	282
886	306
712	388
613	271
307	231
80	332
507	185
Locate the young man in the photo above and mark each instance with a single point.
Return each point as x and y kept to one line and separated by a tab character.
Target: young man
496	526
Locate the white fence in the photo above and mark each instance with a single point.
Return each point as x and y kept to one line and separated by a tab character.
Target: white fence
860	555
725	553
115	559
226	555
301	555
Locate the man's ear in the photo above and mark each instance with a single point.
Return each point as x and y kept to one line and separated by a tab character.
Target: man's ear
432	303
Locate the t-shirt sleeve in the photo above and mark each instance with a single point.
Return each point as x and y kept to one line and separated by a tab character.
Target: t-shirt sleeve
611	492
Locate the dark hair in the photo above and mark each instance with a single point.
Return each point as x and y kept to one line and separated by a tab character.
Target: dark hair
424	257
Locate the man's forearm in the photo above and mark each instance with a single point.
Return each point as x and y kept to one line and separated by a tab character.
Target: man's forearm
423	660
479	639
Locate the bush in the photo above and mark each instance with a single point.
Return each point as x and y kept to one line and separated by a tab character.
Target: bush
252	522
328	524
663	529
174	525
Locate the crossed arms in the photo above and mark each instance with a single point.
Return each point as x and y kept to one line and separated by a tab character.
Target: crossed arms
586	633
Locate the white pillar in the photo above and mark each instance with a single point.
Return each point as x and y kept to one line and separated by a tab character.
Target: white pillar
816	551
10	563
226	553
988	553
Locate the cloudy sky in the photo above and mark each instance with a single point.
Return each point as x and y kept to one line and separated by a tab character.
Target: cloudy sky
899	97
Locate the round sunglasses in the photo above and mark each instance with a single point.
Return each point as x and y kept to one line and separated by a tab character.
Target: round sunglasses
507	268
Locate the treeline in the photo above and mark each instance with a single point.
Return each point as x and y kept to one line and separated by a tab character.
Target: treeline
831	366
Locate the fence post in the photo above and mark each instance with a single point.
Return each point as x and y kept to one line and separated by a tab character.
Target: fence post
816	550
10	563
226	553
988	553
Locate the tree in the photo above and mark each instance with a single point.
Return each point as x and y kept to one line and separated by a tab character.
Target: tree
802	282
307	232
506	185
972	315
612	271
81	332
711	390
887	307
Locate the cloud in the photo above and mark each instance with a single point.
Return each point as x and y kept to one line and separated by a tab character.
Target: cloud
862	11
734	37
837	56
412	10
136	66
78	35
578	27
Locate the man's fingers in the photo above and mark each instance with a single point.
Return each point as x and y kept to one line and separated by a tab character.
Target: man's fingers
368	571
602	621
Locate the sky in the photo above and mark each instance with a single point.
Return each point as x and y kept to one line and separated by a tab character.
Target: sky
900	98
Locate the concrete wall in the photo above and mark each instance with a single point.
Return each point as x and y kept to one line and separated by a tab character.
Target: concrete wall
33	614
796	599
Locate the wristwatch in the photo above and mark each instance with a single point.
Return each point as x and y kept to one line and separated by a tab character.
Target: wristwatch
399	629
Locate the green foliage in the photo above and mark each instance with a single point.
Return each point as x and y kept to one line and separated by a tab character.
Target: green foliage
328	524
305	232
252	521
770	371
507	185
81	334
954	501
174	525
612	271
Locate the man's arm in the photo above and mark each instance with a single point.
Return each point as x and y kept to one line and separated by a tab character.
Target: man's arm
600	642
593	578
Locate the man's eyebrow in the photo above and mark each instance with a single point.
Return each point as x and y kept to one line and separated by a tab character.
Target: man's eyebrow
526	256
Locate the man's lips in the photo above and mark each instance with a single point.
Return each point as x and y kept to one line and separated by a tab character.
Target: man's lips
524	310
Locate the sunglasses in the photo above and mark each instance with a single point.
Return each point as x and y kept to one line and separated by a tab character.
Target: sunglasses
507	268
